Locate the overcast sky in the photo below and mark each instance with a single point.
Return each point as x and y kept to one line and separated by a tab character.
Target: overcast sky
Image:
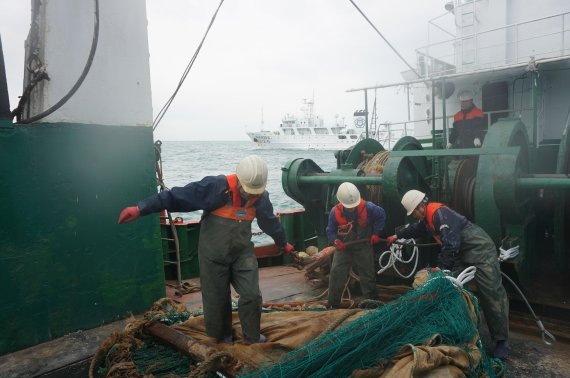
260	54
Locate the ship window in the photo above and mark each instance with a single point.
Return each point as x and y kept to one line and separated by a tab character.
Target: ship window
354	137
321	130
304	131
342	136
495	97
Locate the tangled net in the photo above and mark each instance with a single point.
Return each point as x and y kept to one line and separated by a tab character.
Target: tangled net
436	316
438	311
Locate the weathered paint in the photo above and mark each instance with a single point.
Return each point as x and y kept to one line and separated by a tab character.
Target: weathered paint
117	90
65	263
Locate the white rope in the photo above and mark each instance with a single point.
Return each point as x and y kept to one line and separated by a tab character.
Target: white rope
463	277
395	255
507	254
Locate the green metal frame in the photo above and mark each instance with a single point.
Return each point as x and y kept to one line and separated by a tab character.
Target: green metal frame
561	215
65	263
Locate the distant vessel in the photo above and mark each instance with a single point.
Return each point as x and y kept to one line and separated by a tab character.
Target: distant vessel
309	133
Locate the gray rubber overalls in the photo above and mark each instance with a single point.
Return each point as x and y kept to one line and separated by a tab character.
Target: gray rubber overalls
226	257
361	256
477	249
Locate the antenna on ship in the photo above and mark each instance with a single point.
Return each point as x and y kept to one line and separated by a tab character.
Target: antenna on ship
262	123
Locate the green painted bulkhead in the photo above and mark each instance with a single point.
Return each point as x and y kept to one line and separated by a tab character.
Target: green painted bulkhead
65	263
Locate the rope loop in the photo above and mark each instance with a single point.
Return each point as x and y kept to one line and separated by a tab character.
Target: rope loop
507	254
395	255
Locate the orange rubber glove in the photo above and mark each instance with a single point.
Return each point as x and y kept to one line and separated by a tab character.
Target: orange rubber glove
391	239
339	245
374	239
288	249
129	214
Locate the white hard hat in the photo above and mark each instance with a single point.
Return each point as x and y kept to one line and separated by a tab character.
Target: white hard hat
466	95
348	195
252	174
412	199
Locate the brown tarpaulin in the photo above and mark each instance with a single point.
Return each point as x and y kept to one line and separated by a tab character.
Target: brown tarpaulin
290	330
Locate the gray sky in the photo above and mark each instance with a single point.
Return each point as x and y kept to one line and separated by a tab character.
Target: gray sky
266	54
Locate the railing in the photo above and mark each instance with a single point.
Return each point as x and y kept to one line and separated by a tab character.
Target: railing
546	37
395	130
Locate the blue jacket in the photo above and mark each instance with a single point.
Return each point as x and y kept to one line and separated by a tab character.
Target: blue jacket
448	225
376	217
209	194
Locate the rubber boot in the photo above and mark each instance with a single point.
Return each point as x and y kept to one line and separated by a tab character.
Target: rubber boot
501	349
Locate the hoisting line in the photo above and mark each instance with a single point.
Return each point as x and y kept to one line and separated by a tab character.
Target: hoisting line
385	40
162	111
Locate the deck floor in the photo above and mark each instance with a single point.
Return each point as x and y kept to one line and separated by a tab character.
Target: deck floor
529	356
69	356
277	284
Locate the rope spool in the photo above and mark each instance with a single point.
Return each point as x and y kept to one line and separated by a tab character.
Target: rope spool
374	166
462	198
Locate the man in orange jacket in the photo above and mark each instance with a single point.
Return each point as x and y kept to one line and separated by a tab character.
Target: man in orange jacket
225	250
352	219
469	124
463	244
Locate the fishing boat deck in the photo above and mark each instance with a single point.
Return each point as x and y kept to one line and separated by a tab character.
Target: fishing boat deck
69	356
277	284
529	355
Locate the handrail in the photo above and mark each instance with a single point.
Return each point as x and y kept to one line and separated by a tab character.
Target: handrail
404	125
449	47
494	29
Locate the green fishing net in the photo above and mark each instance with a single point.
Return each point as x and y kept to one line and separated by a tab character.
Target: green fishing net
436	308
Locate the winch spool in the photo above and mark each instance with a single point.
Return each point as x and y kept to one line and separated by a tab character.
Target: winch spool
374	166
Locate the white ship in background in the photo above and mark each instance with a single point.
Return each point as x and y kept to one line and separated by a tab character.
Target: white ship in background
309	132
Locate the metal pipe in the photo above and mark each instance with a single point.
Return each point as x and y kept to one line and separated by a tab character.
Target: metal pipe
433	114
356	180
409	113
534	93
444	114
366	111
543	183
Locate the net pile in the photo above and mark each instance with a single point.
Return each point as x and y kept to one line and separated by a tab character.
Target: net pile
436	312
432	327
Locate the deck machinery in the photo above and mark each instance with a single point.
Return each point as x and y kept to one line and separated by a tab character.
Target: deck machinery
516	191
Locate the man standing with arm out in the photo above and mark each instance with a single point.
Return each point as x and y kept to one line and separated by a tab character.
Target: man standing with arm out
225	249
463	244
353	219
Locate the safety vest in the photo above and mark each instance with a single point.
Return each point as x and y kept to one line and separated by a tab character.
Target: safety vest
475	112
431	208
235	210
362	214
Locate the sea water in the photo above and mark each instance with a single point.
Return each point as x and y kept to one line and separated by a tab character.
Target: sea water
185	162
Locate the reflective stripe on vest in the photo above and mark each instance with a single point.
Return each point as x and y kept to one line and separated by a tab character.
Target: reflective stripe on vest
431	208
235	210
362	215
475	112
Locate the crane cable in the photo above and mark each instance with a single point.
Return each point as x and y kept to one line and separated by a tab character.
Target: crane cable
165	107
385	40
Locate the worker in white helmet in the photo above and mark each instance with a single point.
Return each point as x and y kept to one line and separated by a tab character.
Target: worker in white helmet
463	244
469	124
353	219
225	250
